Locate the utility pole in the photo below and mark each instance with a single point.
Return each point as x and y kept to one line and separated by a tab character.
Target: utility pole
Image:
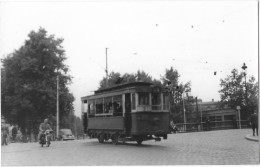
106	70
57	115
198	117
258	61
246	90
244	67
197	110
184	115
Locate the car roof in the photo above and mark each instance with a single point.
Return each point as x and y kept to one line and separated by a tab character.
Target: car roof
65	130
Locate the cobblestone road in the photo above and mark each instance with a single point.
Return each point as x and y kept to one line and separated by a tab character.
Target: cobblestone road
215	147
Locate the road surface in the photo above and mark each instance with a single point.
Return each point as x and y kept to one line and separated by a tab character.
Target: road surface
198	148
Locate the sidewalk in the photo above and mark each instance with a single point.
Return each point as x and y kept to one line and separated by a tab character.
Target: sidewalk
252	138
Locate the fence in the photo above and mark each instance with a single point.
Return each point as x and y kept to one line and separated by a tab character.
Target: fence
214	125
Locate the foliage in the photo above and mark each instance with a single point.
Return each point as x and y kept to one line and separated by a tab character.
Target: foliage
28	78
116	78
176	90
233	92
74	123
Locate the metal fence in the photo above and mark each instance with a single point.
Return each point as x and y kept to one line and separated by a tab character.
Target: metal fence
213	125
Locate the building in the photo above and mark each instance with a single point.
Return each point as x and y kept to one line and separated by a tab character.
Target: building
221	117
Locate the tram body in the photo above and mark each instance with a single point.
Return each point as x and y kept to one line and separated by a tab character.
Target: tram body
136	111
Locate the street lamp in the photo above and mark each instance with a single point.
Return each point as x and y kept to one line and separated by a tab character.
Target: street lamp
239	118
244	67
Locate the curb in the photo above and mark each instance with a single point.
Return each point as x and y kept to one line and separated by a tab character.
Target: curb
250	137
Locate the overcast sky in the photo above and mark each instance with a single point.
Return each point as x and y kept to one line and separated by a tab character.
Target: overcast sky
195	37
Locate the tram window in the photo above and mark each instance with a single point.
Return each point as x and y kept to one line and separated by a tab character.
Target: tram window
99	106
156	98
117	104
143	98
165	102
91	106
156	101
108	105
133	101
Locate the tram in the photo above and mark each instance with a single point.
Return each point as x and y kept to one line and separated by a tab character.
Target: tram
137	111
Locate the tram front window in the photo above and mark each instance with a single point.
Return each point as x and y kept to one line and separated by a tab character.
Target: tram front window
117	104
156	101
143	98
99	106
108	105
91	107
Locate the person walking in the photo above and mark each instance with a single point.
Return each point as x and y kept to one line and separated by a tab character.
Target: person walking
254	123
4	135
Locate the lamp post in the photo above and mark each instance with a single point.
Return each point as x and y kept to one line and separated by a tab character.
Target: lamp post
239	119
244	67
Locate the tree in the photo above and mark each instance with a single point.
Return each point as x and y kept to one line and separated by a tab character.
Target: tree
28	78
176	90
115	78
142	76
74	123
233	92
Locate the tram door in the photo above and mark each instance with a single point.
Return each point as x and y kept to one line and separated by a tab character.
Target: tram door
128	119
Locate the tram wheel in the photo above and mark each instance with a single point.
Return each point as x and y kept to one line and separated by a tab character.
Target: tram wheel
101	138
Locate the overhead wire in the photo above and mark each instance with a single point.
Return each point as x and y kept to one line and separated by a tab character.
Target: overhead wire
103	68
214	69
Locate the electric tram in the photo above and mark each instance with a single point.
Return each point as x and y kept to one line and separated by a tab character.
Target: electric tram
137	111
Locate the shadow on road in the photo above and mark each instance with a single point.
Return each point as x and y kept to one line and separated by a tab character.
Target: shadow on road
130	144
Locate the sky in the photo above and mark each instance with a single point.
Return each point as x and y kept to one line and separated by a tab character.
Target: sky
196	38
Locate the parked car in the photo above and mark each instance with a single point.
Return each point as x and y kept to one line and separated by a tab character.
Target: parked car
66	134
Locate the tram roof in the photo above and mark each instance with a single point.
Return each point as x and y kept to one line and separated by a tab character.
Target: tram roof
119	87
122	86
